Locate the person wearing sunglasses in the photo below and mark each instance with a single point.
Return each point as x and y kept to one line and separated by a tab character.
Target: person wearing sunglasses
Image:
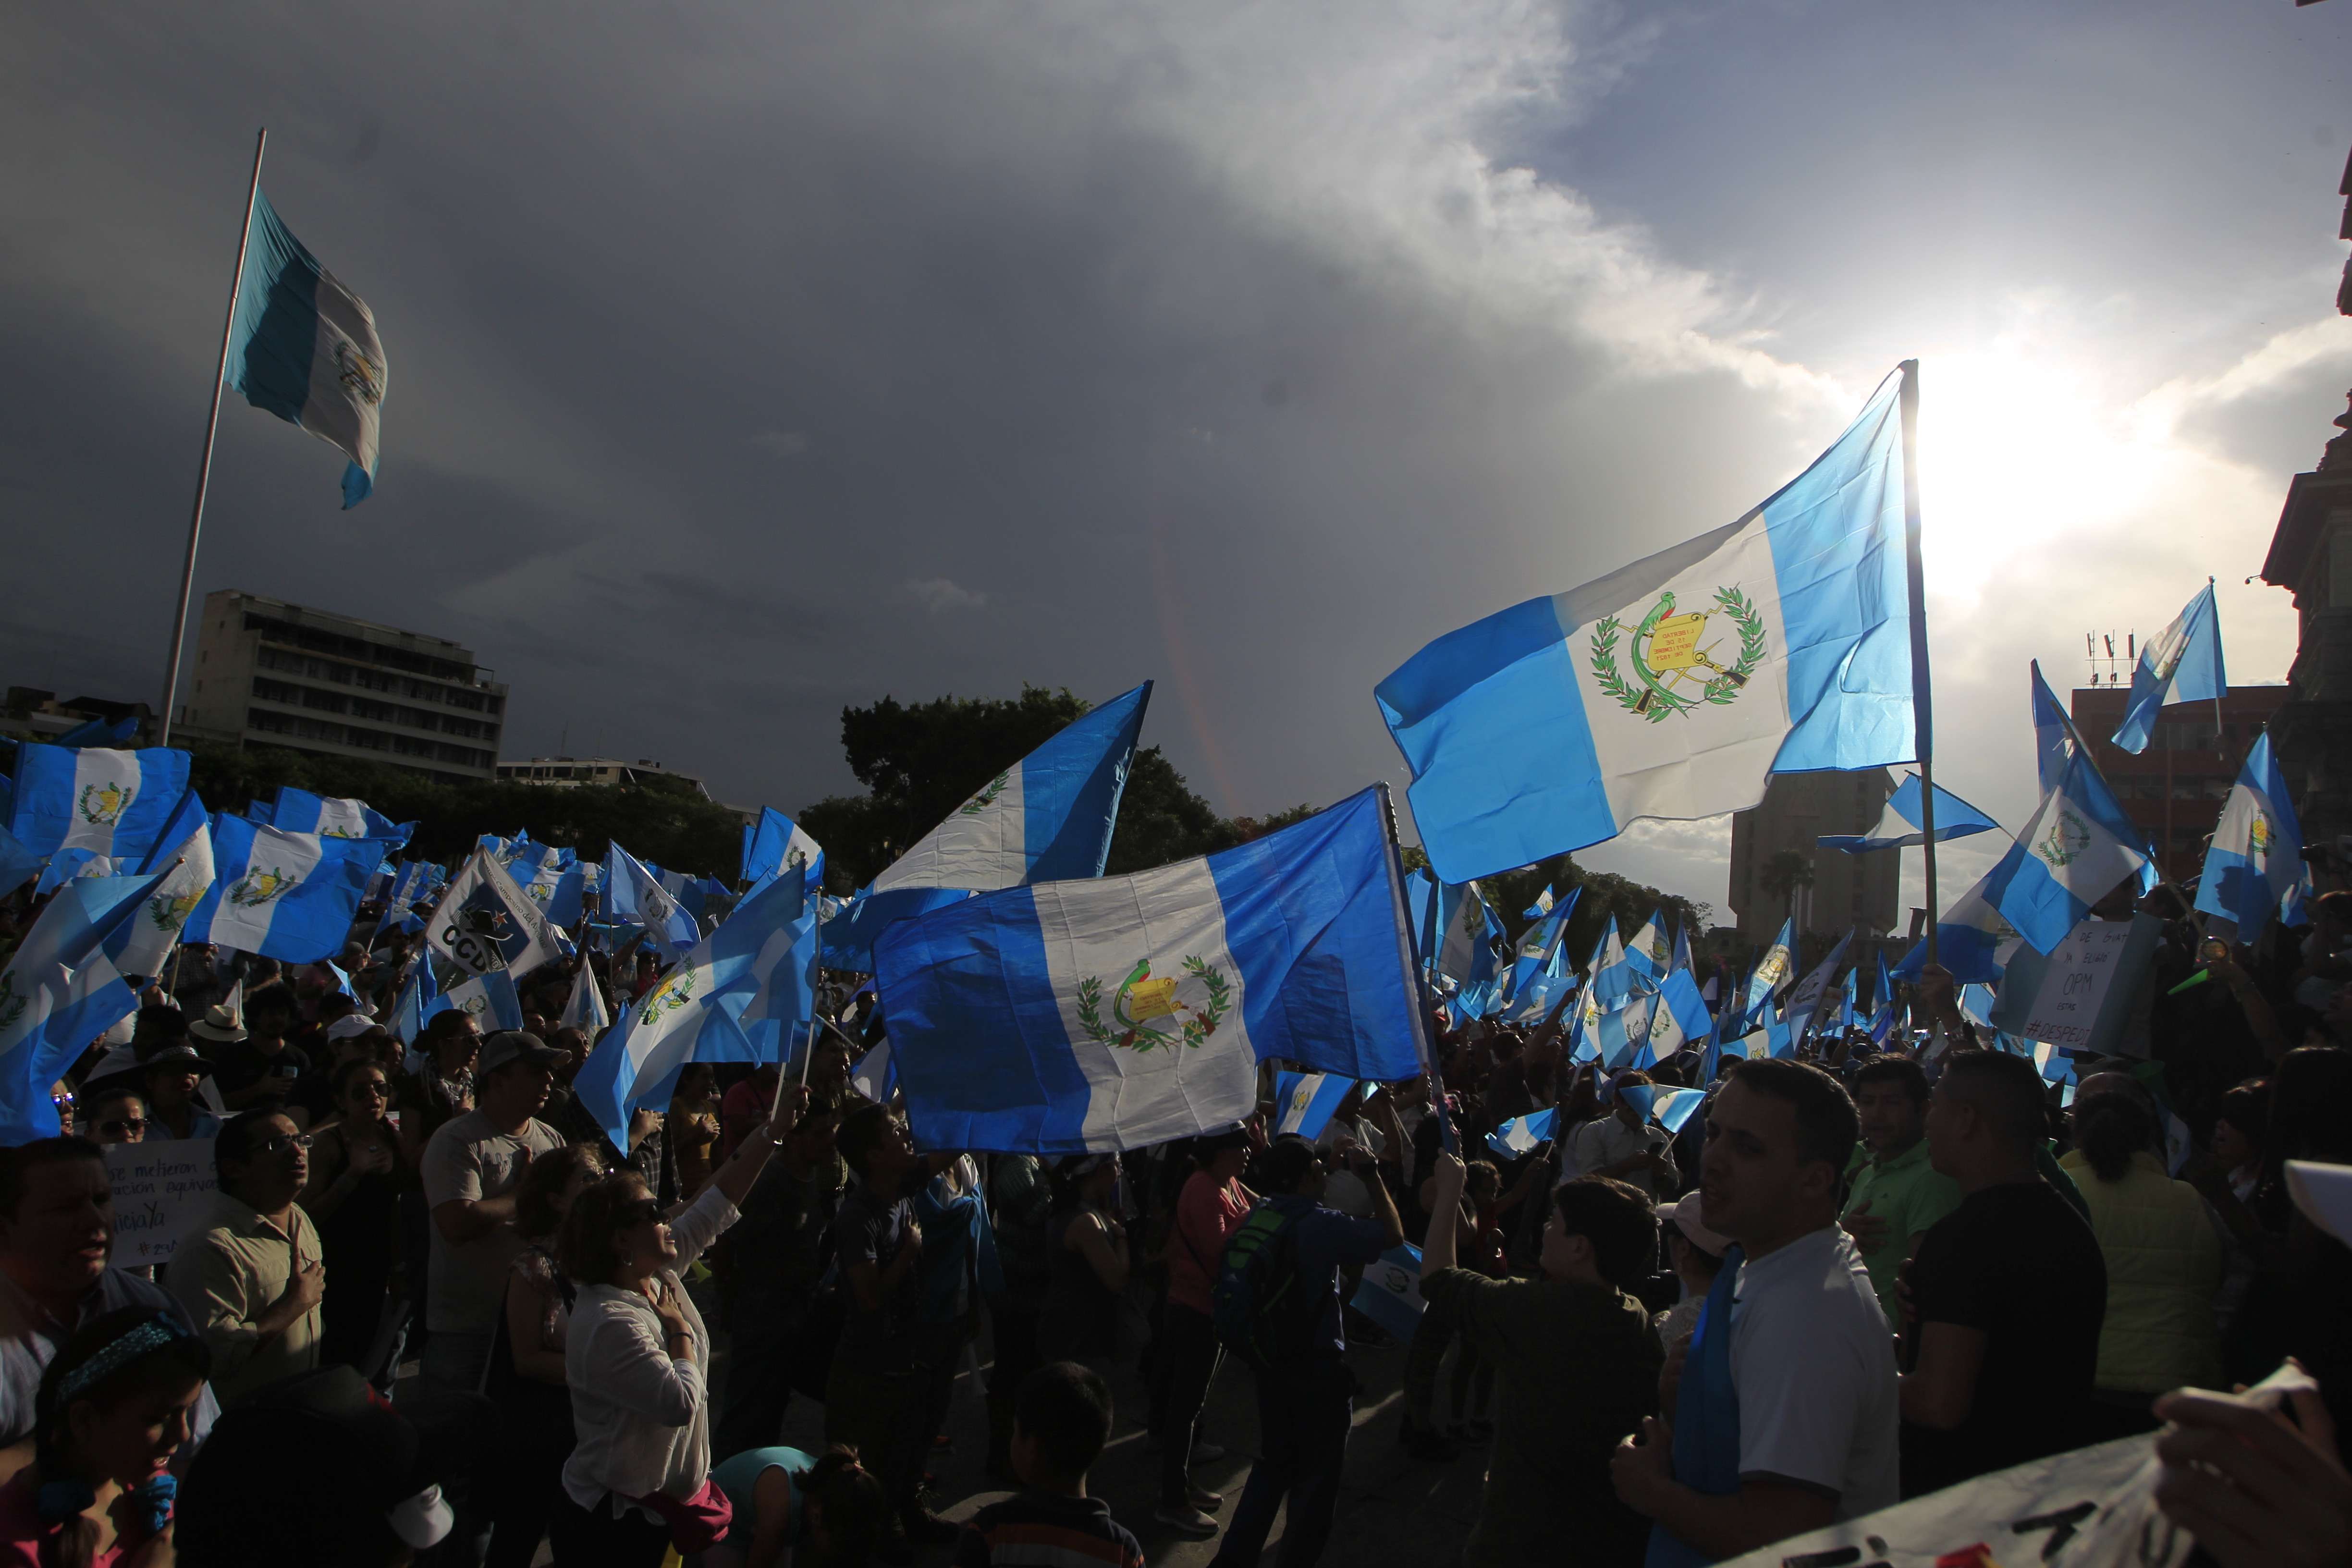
117	1115
357	1172
254	1278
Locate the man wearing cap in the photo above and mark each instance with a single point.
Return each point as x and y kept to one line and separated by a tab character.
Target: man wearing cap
57	1233
253	1279
470	1170
173	1078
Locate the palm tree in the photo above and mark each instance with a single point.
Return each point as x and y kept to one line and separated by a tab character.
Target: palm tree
1783	873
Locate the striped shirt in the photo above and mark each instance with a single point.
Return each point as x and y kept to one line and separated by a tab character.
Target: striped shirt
1041	1530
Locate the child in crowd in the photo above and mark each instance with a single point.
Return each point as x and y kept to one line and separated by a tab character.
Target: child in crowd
1061	1419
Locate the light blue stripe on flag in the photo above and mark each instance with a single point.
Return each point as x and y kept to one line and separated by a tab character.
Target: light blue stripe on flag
2256	857
2181	664
110	803
1305	1100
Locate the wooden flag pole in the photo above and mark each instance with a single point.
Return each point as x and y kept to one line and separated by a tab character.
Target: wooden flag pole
204	465
1423	1000
1922	711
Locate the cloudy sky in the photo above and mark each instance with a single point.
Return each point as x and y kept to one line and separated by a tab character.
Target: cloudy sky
748	359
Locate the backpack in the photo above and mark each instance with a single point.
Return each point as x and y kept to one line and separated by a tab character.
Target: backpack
1259	1306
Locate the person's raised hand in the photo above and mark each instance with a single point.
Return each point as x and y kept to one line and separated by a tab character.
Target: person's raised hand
2256	1491
1449	1172
1642	1465
1868	1229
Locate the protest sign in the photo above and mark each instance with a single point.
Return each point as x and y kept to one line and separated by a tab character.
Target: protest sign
162	1191
2082	996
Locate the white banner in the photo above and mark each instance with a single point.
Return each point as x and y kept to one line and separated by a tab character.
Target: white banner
162	1191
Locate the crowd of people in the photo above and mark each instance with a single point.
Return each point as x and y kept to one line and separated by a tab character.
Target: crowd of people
439	1313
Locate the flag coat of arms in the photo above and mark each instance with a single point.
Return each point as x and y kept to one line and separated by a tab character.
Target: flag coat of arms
288	896
636	897
2256	855
776	841
300	811
143	945
1304	1102
304	347
1119	1012
110	803
1674	687
2074	852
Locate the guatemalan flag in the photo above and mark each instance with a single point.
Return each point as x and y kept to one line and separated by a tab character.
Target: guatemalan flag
37	985
144	944
776	841
2182	664
288	896
696	1013
2256	857
637	898
1119	1012
300	811
1048	818
110	803
1973	940
1304	1102
553	879
1901	826
302	346
2078	847
1674	687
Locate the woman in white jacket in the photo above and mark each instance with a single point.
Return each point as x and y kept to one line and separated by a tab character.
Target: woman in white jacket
637	1360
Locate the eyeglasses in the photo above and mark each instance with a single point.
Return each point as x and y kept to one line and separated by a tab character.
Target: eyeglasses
648	1212
126	1126
373	1089
282	1141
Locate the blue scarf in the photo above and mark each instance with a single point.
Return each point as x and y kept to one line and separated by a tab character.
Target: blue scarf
1707	1417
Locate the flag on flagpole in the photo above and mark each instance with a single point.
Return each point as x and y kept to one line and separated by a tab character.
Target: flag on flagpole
288	896
2183	663
485	921
300	811
1305	1100
1973	938
776	841
1674	687
1518	1135
1119	1012
585	1009
1772	972
1649	952
304	347
37	981
2072	854
144	944
2256	855
636	897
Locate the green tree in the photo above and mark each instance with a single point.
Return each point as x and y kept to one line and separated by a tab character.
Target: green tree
1606	896
663	820
1782	874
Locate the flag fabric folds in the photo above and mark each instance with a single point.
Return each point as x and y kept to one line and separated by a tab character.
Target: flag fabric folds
694	1015
2074	852
636	897
776	841
288	896
1120	1012
1902	827
1673	687
300	811
2183	663
304	347
585	1009
1518	1135
144	944
2256	855
111	803
1973	939
485	921
1772	972
1048	818
38	984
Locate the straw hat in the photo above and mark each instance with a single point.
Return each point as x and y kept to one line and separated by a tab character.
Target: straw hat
220	1025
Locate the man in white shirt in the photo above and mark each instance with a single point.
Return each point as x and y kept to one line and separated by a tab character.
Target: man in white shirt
1809	1357
1624	1145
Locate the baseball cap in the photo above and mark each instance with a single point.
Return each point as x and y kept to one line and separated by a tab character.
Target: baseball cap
179	1055
333	1456
1683	1215
349	1024
513	1046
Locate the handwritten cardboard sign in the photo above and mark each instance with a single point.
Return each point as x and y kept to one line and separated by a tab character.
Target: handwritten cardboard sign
162	1191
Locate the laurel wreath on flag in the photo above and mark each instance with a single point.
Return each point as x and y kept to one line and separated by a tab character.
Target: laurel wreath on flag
1721	691
1195	1029
987	797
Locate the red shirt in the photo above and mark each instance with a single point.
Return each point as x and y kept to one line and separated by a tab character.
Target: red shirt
740	1111
1206	1214
22	1529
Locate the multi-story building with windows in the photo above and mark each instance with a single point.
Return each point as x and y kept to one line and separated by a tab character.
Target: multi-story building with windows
1834	893
269	674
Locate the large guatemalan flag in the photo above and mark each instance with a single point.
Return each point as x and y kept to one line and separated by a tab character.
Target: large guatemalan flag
304	347
1119	1012
1673	687
2256	857
1048	819
110	803
288	896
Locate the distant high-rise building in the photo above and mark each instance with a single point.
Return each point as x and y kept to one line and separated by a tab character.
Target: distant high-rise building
271	675
1846	892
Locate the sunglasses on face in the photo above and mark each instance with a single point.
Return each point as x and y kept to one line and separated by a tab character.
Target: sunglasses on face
648	1212
282	1141
119	1128
371	1088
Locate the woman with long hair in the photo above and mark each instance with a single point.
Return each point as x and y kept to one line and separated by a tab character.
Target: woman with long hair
2165	1262
526	1372
113	1408
637	1360
357	1170
1086	1263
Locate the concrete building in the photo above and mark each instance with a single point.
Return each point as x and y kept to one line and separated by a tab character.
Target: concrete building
1849	893
2311	557
271	675
570	773
2175	790
45	716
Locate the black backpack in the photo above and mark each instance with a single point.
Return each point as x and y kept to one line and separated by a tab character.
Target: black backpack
1260	1307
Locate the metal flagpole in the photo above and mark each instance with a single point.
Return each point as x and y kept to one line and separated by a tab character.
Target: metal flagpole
204	466
1922	710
